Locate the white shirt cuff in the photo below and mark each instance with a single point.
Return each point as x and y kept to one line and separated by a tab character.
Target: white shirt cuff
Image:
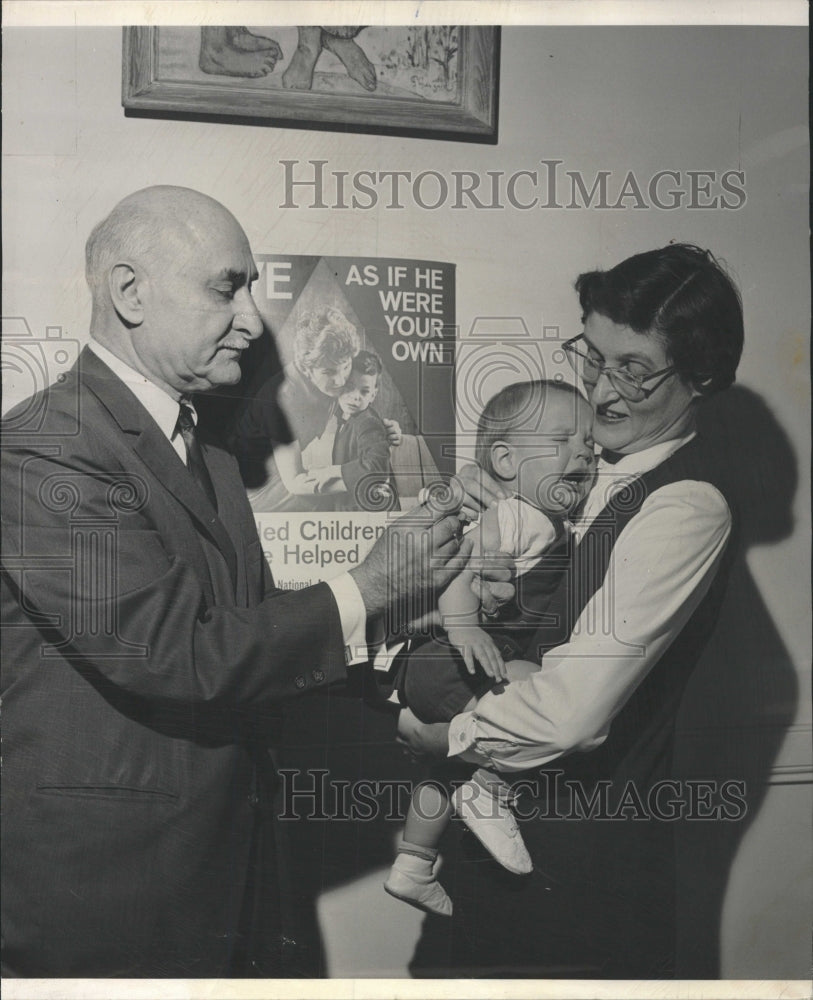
353	616
462	738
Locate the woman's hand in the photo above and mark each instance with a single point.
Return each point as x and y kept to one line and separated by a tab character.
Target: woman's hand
427	739
479	489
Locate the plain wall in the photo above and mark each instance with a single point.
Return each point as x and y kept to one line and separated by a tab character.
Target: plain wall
617	99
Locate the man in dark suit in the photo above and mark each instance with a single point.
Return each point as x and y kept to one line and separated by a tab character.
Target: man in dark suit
146	646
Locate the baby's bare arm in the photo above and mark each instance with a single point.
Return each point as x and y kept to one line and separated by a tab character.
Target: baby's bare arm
459	604
460	607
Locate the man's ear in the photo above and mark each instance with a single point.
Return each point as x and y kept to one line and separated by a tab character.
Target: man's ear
503	460
125	294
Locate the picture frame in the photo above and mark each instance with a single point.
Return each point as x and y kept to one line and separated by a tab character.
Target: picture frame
441	84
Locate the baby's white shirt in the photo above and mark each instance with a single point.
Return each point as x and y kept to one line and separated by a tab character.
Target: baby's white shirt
525	532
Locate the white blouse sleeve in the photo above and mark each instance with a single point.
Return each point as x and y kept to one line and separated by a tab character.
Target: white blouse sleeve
661	566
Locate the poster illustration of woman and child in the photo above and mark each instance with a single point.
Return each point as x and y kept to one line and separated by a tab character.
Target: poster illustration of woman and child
355	409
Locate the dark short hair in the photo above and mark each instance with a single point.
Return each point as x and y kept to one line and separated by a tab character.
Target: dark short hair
514	410
682	294
367	363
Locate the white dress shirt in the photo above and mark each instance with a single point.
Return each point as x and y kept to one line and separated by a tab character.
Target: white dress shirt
164	410
660	568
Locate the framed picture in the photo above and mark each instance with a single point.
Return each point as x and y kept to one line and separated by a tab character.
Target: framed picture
425	80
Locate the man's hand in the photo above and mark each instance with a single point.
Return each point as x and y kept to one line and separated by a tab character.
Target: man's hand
492	570
477	646
480	491
412	562
423	738
393	429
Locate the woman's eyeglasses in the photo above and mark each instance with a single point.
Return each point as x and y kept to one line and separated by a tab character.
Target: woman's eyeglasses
628	386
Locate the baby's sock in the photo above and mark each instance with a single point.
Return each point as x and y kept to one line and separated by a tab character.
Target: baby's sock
411	879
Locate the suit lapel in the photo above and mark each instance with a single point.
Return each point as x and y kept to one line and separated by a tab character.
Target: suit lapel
155	451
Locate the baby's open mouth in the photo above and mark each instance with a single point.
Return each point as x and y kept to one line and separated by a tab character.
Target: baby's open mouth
578	483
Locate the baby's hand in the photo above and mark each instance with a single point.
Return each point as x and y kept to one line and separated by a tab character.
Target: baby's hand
477	646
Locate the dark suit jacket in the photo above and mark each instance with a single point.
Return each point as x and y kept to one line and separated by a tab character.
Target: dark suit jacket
362	450
145	650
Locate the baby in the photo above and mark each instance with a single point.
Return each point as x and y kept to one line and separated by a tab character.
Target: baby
535	438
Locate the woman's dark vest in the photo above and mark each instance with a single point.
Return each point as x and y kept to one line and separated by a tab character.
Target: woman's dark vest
601	901
625	771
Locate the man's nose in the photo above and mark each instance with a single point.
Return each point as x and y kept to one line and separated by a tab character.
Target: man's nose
247	316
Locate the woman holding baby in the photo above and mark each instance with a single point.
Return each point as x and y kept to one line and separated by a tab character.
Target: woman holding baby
586	739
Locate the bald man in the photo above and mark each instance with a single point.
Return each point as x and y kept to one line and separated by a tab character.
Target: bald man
146	646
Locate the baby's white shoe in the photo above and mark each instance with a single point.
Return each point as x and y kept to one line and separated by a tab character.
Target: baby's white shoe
494	825
426	895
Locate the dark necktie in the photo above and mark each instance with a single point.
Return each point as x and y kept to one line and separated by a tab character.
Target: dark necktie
194	455
611	457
